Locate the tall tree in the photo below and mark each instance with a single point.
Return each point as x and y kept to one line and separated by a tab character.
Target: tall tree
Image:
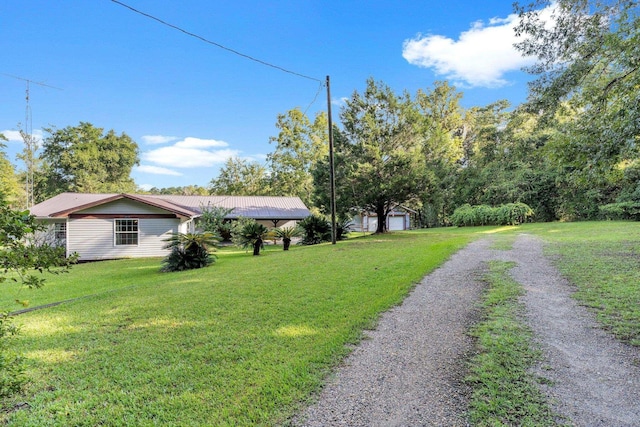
10	189
239	177
84	159
382	155
588	82
300	145
442	127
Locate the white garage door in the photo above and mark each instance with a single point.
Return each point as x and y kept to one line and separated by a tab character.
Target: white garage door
396	223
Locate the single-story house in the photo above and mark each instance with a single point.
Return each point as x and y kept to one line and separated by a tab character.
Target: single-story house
109	226
397	220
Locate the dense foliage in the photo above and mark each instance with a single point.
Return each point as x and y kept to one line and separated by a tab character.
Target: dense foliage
509	214
20	258
10	188
315	229
621	211
12	368
85	159
189	251
252	234
214	220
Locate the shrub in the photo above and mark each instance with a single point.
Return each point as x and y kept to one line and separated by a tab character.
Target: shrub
509	214
621	211
213	220
12	367
286	233
315	229
252	235
189	251
343	228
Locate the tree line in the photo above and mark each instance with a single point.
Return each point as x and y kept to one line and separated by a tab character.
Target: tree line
567	152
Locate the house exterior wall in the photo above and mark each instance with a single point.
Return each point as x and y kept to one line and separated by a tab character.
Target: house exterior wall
49	235
123	206
91	232
93	238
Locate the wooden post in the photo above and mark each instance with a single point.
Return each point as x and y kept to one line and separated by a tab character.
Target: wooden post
332	176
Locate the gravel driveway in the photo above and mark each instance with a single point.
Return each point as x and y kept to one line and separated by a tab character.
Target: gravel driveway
409	371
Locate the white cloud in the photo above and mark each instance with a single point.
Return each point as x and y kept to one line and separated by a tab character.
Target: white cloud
157	170
190	142
184	157
339	102
146	187
158	139
14	135
480	57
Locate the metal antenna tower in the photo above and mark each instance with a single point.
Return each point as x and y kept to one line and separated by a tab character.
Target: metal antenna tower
31	143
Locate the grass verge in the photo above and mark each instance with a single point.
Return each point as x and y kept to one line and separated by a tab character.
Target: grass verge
244	342
602	259
504	392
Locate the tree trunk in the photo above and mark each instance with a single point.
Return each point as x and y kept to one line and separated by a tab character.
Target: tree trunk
382	220
256	246
286	242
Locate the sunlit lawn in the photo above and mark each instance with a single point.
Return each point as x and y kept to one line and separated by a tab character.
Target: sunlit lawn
248	340
243	342
603	260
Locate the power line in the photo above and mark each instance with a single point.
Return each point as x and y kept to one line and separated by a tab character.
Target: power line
175	27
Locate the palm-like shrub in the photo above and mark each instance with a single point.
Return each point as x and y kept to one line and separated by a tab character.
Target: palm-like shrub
189	251
252	235
286	234
343	228
315	229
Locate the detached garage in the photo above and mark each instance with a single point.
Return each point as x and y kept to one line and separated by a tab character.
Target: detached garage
397	220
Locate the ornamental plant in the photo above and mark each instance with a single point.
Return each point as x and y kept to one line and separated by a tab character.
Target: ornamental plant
189	251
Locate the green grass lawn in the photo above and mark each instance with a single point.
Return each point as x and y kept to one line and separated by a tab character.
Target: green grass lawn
244	342
602	259
504	390
248	340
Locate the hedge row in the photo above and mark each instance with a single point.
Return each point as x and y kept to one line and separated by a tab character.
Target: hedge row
621	211
509	214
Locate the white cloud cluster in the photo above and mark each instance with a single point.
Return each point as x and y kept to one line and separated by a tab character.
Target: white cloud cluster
185	153
479	58
157	170
158	139
14	135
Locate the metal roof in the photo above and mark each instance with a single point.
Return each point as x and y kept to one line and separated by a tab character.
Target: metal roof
257	207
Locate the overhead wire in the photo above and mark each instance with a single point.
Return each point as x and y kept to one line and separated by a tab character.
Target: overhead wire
249	57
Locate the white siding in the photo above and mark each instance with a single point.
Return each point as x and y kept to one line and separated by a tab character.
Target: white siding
48	235
93	239
123	206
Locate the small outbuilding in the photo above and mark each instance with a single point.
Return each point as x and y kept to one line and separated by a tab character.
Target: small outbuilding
397	220
110	226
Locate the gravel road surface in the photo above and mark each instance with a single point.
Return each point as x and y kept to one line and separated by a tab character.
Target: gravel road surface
409	370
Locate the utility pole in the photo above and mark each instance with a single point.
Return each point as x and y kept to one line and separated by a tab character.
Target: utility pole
332	175
31	144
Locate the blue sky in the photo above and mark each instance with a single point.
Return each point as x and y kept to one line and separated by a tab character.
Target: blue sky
190	105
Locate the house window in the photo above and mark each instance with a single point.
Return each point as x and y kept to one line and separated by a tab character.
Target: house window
126	232
60	231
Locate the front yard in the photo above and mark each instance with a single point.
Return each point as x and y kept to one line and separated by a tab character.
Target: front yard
243	342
